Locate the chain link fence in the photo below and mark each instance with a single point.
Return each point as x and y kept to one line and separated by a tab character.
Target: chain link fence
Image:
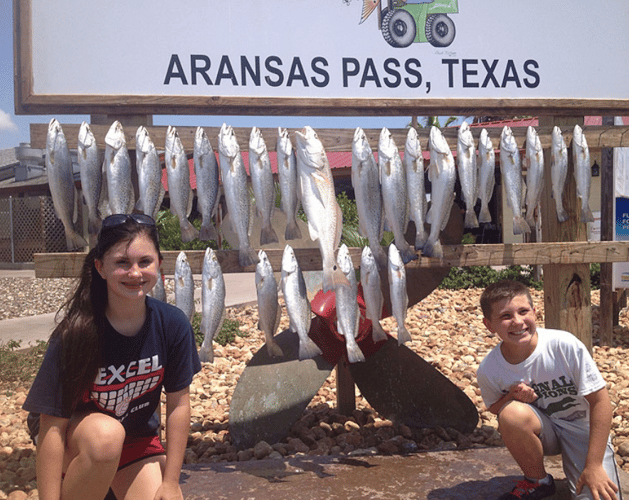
29	225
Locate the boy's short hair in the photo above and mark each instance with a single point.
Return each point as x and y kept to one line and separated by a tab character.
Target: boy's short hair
502	290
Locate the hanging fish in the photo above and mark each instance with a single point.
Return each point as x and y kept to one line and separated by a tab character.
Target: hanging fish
234	178
149	170
399	296
117	164
486	175
534	174
559	171
372	292
90	166
184	286
263	185
347	310
287	173
179	188
212	303
582	172
297	303
206	171
511	168
468	172
366	184
61	183
269	312
414	166
442	176
394	192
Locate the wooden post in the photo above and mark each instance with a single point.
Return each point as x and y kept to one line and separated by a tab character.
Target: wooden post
567	303
606	309
345	389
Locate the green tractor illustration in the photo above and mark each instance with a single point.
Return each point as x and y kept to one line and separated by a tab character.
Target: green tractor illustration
404	22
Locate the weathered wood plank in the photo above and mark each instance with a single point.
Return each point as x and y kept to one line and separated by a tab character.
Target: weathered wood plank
63	265
334	139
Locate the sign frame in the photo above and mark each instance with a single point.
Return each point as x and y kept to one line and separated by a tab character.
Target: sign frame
27	101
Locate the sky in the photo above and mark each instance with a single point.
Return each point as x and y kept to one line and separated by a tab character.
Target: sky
14	129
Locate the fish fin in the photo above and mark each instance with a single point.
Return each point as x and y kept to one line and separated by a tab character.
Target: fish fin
339	225
93	225
74	240
562	215
75	213
334	277
268	235
273	349
292	230
470	218
433	249
520	226
247	256
308	349
402	335
420	238
407	253
206	353
377	332
354	354
188	231
586	213
208	231
484	216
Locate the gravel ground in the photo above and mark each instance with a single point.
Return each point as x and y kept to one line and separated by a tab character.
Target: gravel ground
447	331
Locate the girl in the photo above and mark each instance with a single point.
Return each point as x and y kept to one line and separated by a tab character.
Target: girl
94	403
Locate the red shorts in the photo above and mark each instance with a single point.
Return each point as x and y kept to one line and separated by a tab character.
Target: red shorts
139	448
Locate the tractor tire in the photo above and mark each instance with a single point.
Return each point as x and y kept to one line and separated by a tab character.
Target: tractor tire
398	28
440	30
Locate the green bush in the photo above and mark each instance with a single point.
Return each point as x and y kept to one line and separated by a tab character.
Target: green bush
481	276
226	335
19	365
170	234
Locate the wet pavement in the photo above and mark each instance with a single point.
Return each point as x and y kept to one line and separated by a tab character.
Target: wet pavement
475	474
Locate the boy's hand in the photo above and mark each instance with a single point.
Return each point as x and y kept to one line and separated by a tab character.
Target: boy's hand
598	481
522	392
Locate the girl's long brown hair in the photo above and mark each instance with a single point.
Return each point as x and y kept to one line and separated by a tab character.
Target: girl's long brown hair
81	328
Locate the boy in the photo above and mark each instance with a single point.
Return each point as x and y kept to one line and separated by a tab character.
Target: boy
549	397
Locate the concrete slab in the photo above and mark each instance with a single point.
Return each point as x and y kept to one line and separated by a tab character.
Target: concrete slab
477	474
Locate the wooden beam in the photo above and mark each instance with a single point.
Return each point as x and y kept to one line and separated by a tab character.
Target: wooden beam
335	140
68	264
606	309
567	303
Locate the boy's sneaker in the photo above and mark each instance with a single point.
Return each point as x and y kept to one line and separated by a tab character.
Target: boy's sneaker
526	490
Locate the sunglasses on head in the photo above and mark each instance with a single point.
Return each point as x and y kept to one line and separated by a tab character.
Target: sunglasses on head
119	219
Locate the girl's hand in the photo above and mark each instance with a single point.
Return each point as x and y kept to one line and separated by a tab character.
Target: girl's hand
169	491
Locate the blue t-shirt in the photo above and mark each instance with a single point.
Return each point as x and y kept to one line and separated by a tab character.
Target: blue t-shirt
128	385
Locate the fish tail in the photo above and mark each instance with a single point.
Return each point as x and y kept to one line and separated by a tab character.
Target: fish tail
407	253
74	240
433	249
247	257
208	231
520	226
484	217
470	219
354	354
333	277
206	353
308	349
274	350
586	214
93	225
292	231
377	332
380	255
188	232
402	334
562	215
420	239
268	235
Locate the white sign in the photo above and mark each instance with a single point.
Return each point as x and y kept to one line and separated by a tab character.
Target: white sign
329	49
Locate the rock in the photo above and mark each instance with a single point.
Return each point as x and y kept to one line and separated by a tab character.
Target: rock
17	495
262	450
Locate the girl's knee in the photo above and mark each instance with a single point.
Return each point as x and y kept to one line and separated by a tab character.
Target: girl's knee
98	436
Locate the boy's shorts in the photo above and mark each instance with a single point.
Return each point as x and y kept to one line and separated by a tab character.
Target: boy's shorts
572	442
